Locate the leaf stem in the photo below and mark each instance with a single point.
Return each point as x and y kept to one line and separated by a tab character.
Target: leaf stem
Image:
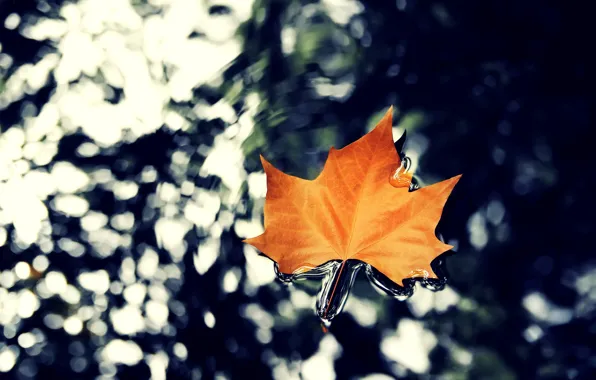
334	287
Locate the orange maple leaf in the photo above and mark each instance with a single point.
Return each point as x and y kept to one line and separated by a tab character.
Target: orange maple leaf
352	211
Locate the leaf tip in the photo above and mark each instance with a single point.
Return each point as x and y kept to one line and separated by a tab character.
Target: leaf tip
389	116
386	121
454	180
252	241
266	164
445	248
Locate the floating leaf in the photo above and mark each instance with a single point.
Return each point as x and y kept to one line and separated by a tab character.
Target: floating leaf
360	207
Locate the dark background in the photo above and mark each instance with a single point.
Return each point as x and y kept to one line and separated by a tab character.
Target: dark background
500	91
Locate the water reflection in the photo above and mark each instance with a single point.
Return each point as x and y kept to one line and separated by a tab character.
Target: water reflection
337	279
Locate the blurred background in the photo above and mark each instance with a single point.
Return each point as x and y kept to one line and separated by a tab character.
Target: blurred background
129	174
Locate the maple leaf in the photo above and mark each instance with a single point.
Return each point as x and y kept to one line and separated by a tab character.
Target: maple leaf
355	209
